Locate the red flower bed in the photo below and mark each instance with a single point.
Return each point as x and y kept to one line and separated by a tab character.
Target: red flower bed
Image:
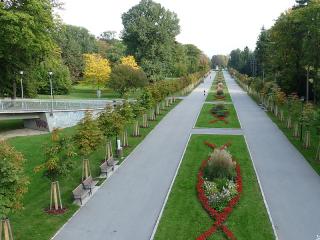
56	212
220	217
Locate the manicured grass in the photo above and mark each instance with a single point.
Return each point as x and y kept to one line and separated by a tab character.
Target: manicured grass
184	218
205	117
310	153
212	94
6	125
84	92
32	223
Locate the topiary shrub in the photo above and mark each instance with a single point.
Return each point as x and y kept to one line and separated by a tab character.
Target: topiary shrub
220	165
220	85
220	92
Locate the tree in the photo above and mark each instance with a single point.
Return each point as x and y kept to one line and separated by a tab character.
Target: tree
126	111
75	41
149	33
124	78
26	32
13	185
129	61
220	61
59	154
97	70
87	138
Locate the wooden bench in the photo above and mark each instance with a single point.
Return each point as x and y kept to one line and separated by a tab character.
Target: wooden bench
84	189
108	166
89	184
79	193
112	163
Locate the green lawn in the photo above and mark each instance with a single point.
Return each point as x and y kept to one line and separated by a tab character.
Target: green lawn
205	117
6	125
32	223
212	94
310	153
184	218
84	92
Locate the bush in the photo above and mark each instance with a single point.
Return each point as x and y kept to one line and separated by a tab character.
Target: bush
220	85
220	92
124	78
220	165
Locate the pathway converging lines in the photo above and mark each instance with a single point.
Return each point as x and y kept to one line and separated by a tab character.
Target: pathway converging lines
128	205
291	187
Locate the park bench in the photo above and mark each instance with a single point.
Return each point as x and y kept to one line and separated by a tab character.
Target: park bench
108	166
84	189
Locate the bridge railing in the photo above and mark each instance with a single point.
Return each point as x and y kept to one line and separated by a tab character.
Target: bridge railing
43	105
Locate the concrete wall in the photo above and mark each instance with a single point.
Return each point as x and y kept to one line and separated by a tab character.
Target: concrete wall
63	119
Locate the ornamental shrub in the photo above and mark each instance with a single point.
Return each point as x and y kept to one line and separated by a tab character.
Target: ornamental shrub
220	92
13	181
220	165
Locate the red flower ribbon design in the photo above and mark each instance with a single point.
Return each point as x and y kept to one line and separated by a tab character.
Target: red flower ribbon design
220	217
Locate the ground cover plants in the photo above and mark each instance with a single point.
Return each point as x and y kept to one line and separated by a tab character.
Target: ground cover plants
184	216
218	116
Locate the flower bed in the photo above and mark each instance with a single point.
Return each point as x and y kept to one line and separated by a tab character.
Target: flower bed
219	216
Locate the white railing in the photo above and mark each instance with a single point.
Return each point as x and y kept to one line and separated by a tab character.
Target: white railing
44	105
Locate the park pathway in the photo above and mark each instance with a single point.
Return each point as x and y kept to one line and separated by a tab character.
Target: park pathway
290	185
128	205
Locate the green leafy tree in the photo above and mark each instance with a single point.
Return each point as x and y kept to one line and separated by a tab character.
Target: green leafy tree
88	135
125	78
26	32
12	178
149	33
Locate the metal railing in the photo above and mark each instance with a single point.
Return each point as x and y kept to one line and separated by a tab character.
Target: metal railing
43	105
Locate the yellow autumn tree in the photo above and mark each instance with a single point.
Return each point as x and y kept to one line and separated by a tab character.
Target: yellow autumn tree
129	61
97	69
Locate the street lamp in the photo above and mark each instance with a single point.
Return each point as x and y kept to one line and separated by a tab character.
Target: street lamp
51	91
301	122
21	85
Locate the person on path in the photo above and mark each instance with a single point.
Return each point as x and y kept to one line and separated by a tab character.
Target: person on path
204	92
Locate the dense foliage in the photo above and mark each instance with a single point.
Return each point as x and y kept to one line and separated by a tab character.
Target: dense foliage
288	52
13	183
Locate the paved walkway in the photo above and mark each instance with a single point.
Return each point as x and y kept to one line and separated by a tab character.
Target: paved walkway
128	205
290	185
217	131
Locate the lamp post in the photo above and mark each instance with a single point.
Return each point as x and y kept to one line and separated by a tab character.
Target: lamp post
51	91
301	121
21	85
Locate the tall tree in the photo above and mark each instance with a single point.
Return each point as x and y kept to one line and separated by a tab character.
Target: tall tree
26	29
149	33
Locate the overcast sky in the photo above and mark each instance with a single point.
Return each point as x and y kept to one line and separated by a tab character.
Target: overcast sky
216	27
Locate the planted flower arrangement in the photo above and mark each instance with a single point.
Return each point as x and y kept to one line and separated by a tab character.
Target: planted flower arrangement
220	112
219	188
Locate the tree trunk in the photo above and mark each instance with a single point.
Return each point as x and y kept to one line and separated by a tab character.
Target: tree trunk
5	229
125	142
145	121
307	140
158	109
86	171
14	90
318	153
281	115
296	133
55	200
289	125
152	116
136	129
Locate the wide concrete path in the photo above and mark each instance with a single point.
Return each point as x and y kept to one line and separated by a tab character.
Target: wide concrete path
128	205
290	185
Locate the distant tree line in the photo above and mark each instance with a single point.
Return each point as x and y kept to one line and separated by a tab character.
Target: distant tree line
288	52
35	41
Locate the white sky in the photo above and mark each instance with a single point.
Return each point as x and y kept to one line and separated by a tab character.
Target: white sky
215	26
